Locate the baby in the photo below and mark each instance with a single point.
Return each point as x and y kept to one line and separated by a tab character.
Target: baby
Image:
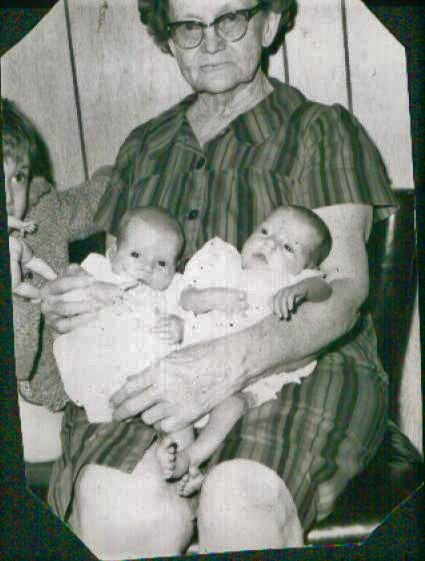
127	336
207	301
17	152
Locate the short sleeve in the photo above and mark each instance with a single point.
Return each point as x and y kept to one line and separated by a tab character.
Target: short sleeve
340	163
114	202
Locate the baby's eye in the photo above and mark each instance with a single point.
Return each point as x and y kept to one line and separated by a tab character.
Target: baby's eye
135	254
264	231
161	263
288	248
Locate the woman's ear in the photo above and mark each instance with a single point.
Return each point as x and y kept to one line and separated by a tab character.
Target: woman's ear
271	26
172	47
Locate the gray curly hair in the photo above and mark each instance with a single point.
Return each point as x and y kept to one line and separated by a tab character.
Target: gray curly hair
154	14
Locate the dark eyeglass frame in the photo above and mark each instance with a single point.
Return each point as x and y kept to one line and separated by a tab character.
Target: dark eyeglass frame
247	13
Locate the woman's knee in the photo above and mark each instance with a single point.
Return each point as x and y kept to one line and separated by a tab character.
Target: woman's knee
121	513
245	495
243	481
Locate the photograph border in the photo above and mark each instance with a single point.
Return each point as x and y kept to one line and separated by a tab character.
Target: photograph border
29	530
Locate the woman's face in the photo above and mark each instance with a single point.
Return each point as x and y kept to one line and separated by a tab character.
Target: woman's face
217	65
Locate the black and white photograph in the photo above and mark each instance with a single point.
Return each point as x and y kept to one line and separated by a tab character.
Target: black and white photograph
210	296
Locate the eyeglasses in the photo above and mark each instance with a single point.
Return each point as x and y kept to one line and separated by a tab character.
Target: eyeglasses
231	26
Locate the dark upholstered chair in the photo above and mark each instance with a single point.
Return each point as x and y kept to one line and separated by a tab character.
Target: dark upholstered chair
397	469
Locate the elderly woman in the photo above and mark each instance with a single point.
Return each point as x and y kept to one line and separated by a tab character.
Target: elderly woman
221	160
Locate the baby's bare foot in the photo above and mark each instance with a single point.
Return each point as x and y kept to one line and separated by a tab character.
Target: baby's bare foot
173	463
166	454
190	482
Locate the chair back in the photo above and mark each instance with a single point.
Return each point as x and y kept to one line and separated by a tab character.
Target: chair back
392	262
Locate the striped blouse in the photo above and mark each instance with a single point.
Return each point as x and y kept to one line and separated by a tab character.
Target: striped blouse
285	150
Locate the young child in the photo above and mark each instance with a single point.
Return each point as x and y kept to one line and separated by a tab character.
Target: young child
221	290
19	147
51	220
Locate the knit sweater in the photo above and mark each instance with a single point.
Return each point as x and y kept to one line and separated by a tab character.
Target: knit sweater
62	217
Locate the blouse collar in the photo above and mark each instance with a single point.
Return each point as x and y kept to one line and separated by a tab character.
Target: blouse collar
253	127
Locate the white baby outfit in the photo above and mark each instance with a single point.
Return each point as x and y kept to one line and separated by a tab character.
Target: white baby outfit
95	360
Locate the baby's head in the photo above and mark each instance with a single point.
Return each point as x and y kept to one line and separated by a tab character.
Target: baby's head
149	243
291	239
19	153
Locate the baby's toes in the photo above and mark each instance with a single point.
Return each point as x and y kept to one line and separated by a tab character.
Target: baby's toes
170	461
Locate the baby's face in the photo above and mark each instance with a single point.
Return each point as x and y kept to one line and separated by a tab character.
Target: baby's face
16	178
282	243
147	254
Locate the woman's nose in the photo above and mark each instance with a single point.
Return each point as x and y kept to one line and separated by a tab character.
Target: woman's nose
212	41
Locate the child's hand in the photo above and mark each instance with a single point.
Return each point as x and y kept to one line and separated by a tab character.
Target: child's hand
169	328
286	299
28	227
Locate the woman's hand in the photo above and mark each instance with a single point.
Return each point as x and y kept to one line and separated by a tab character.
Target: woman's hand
181	387
73	299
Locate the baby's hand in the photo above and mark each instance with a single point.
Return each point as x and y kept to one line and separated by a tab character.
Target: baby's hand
169	328
227	300
286	299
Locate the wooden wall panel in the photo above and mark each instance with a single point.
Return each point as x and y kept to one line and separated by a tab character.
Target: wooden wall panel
36	74
380	93
123	78
315	50
276	66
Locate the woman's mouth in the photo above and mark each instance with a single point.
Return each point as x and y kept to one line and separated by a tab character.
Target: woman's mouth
212	66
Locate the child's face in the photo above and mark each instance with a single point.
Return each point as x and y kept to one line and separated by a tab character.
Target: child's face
147	254
282	242
16	178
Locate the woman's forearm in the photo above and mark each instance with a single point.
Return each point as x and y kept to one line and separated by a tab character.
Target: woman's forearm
272	342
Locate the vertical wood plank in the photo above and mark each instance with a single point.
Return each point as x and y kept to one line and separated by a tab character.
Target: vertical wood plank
276	66
36	74
315	50
123	78
380	93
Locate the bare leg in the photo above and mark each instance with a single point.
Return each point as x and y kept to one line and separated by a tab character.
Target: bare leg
245	505
221	420
128	516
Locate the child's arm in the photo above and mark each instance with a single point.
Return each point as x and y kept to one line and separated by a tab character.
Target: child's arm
203	300
40	267
80	204
312	289
14	223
